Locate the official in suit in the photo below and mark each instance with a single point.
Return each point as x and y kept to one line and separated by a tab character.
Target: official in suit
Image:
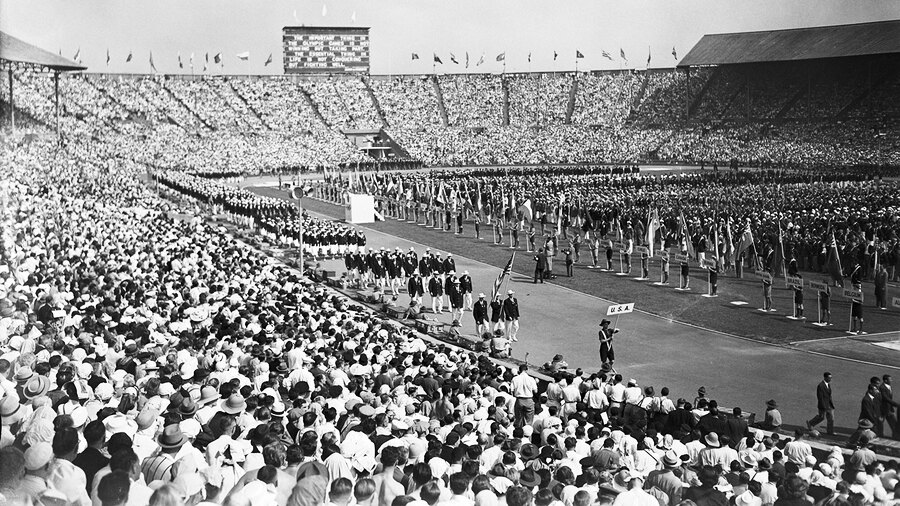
889	405
436	290
540	265
416	288
465	284
480	313
511	316
824	404
496	314
870	408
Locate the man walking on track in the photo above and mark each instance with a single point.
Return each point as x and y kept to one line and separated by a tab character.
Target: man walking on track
480	313
607	354
523	388
824	404
540	265
511	316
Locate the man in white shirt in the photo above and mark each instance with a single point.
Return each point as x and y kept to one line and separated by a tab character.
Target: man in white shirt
523	389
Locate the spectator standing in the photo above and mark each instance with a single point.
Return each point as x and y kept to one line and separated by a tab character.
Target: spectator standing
524	387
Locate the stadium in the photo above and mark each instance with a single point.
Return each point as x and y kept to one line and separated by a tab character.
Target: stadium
307	272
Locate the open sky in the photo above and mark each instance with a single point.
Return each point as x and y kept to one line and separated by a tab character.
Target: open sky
401	27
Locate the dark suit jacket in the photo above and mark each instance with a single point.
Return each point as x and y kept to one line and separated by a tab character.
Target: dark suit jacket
887	400
870	409
737	429
823	396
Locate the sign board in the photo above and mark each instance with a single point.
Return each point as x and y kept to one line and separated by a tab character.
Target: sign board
679	257
663	254
642	249
709	263
895	302
619	246
816	285
764	275
619	309
852	294
325	50
793	281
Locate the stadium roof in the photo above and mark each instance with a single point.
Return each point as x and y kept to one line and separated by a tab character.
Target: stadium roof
17	50
861	39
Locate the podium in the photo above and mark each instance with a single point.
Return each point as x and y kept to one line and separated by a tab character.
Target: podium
360	209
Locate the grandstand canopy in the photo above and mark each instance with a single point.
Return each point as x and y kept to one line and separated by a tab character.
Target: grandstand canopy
18	51
797	44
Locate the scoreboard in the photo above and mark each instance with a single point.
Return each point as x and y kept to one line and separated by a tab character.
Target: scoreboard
325	50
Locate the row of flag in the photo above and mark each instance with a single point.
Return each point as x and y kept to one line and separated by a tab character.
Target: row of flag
502	57
217	59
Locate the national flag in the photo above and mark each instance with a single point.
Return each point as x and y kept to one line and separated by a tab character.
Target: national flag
478	205
578	54
467	59
207	57
441	197
353	17
437	59
152	66
128	58
324	10
217	58
729	244
559	215
526	211
622	54
606	55
745	242
529	57
834	262
480	60
107	57
243	56
688	246
652	227
77	54
453	58
648	56
296	19
268	60
674	53
501	56
191	61
498	284
180	64
715	242
777	264
415	56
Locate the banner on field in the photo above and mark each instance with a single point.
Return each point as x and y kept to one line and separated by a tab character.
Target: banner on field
619	309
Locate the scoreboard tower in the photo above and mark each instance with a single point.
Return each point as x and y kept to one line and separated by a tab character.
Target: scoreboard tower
325	50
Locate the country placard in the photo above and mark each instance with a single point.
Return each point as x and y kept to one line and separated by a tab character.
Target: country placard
793	281
681	258
642	249
895	302
817	285
764	275
849	293
663	254
619	246
619	309
708	263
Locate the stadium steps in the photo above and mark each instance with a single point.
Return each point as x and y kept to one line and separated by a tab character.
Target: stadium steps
103	91
698	99
180	102
780	115
635	104
445	120
375	102
570	105
243	100
859	99
504	83
315	107
21	117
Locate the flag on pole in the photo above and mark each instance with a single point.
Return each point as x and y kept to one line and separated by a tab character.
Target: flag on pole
777	264
440	197
453	58
578	54
501	56
652	227
191	61
128	58
467	59
555	55
648	56
324	10
606	55
495	290
180	63
268	60
217	58
715	244
437	59
152	66
415	56
77	54
729	244
107	57
674	53
353	17
243	56
834	262
480	60
207	57
529	57
559	215
686	237
745	242
622	54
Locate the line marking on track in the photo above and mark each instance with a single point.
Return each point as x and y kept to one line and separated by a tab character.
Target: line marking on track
787	346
